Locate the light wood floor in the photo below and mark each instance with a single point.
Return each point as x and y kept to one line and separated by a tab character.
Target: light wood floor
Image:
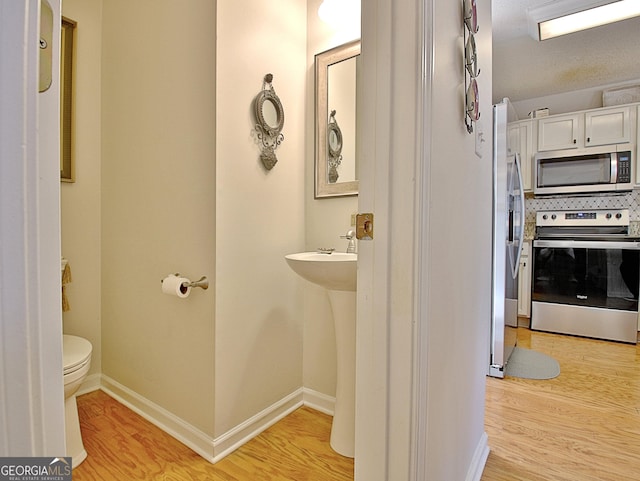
583	425
123	446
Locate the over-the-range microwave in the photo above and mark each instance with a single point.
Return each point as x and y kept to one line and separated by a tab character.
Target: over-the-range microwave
605	168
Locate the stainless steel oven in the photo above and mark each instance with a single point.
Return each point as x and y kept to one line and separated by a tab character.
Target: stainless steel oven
586	271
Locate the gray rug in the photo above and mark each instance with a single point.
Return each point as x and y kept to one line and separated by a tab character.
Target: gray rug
530	364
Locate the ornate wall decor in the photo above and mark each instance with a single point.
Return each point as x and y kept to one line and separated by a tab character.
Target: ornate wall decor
269	121
472	107
334	147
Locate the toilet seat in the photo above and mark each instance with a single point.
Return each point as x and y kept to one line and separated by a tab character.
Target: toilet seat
76	353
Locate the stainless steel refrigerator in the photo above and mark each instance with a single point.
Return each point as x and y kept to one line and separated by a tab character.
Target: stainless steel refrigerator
508	231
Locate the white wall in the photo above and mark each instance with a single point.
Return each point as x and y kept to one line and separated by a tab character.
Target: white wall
158	201
569	101
259	213
80	201
325	221
459	243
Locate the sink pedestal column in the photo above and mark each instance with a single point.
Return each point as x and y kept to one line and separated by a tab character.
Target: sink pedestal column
337	273
343	307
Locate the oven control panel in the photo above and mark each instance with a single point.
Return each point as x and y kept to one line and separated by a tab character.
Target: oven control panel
572	218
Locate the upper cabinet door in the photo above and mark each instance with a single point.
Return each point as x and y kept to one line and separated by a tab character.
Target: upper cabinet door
607	126
560	132
520	135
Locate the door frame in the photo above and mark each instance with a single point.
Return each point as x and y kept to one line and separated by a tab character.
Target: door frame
392	322
31	382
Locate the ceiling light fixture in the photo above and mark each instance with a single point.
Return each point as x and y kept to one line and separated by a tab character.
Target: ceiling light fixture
340	14
562	17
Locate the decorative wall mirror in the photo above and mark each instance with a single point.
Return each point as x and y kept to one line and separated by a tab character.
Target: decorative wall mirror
335	159
269	117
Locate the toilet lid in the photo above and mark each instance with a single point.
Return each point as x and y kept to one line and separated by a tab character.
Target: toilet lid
76	352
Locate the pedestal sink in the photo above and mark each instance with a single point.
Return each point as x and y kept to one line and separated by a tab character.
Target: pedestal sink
336	272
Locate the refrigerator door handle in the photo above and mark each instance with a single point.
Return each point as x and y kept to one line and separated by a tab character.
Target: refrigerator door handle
516	265
511	227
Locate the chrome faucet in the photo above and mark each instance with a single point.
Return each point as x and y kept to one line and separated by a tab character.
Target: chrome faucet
351	237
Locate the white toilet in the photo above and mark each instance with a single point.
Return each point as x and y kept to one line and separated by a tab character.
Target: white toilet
76	353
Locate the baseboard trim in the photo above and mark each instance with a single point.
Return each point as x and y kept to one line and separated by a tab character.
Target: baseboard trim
479	459
244	432
91	383
318	401
211	449
189	435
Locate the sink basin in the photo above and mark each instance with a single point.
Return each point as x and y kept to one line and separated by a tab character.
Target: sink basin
335	272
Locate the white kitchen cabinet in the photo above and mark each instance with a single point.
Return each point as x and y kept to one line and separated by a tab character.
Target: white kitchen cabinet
560	132
585	129
607	126
513	138
524	282
520	140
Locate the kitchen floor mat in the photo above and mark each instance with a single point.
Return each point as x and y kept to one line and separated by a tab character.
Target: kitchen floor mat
529	364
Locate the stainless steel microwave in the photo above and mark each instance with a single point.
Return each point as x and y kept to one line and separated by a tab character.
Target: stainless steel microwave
606	168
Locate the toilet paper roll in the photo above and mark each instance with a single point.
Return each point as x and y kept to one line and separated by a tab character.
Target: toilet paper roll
176	286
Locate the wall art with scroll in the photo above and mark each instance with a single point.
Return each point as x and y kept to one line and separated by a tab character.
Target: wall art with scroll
269	118
471	104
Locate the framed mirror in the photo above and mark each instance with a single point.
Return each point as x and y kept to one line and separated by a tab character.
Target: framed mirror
67	153
270	113
336	169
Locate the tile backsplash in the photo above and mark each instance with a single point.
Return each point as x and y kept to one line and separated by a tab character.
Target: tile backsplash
628	200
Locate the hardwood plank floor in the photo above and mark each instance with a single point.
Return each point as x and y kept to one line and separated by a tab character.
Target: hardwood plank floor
583	425
122	445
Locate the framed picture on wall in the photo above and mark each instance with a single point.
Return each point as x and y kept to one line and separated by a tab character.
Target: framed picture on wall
67	40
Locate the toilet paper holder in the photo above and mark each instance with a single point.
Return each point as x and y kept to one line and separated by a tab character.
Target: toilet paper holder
203	282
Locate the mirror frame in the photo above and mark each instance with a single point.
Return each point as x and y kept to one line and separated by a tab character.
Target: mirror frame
67	95
322	62
261	99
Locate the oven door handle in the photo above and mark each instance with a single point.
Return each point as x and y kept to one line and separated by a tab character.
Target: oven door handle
583	244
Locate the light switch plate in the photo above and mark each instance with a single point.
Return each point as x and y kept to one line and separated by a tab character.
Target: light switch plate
480	140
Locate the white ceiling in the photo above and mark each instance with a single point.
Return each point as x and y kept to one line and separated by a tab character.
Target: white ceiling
524	68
